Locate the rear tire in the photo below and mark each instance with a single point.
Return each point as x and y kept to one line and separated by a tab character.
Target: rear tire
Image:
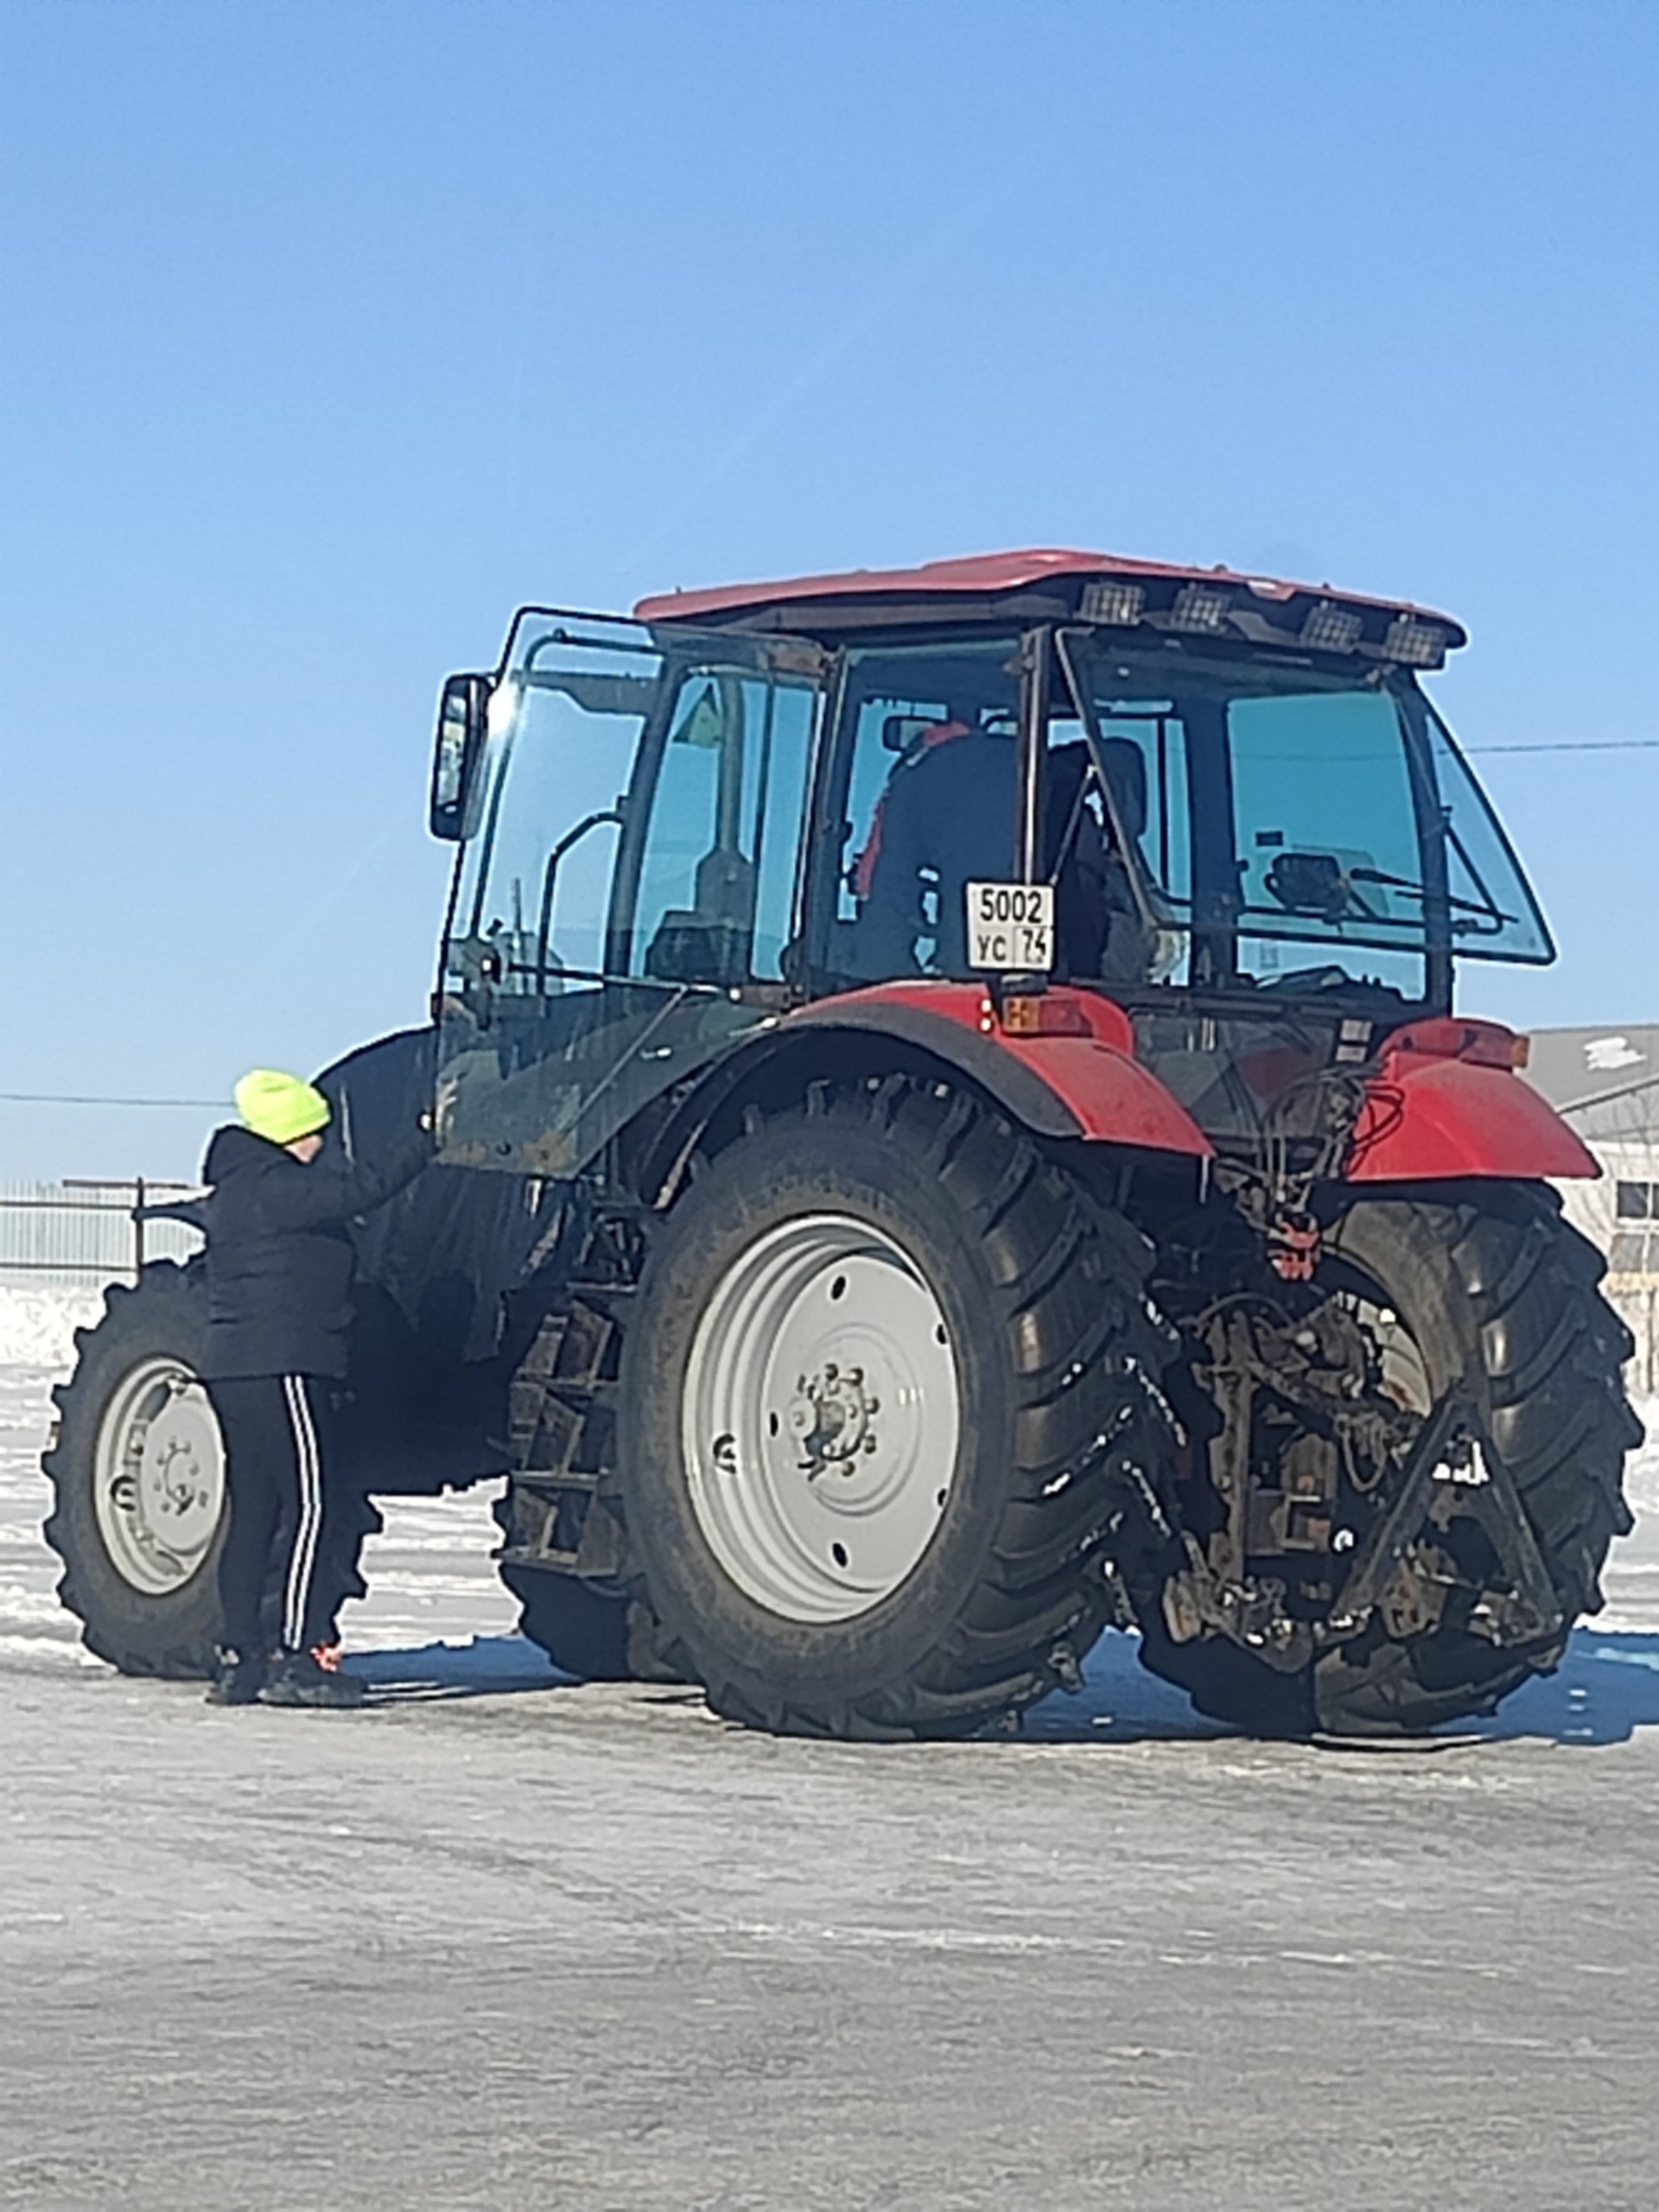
1493	1287
1501	1289
901	1539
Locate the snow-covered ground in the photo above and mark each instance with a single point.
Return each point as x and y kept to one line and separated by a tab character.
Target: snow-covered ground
498	1940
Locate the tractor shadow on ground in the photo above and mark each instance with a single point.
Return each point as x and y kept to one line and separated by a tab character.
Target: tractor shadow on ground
1119	1703
1605	1690
485	1666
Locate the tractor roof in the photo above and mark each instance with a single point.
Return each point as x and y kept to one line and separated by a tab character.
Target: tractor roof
1047	582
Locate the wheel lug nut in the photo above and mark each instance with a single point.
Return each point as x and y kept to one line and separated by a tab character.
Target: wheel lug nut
869	1443
872	1405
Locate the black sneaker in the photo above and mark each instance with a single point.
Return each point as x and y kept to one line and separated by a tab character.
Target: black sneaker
300	1678
236	1680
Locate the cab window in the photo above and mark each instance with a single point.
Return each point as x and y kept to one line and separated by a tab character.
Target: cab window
929	790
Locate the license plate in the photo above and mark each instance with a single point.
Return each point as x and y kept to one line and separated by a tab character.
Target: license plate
1011	927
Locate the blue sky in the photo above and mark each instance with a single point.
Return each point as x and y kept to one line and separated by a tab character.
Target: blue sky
335	328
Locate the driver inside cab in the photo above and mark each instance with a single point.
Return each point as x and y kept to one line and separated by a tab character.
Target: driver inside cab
947	819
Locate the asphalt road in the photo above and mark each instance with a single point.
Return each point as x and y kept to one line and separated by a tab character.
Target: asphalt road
499	1943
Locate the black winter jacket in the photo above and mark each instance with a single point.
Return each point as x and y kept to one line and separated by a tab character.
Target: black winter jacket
279	1255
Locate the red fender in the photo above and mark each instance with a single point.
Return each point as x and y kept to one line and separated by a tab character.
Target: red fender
1077	1077
1447	1102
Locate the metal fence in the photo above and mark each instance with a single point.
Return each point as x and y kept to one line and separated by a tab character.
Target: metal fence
80	1233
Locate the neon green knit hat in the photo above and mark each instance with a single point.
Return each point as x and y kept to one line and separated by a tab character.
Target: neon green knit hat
280	1106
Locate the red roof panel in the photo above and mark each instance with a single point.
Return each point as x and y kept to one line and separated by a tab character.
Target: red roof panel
987	573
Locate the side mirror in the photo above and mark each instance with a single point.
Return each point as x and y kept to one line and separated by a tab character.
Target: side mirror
461	733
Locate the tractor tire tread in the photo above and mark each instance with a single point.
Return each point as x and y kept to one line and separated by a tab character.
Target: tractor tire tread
1560	1420
1069	1287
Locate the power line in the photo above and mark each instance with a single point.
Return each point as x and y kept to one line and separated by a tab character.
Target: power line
83	1099
1587	745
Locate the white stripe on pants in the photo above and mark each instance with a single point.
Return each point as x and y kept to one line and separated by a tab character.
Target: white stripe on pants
302	1560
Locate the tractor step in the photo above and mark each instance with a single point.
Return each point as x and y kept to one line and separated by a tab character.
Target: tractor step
559	1522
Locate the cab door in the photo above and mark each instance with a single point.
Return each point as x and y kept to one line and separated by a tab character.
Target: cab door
625	904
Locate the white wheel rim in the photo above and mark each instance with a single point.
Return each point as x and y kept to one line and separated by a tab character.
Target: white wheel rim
158	1476
820	1419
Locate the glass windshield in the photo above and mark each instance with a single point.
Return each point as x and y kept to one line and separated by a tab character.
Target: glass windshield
1483	876
1268	810
721	802
636	811
546	803
625	899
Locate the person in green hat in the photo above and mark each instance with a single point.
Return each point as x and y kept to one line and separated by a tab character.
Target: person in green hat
279	1273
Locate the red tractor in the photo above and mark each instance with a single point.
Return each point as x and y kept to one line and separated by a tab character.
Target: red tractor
956	1138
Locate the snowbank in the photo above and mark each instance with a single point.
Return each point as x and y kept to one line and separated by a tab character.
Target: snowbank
37	1327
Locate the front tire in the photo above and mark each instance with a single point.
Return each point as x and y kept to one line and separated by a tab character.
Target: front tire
584	1631
887	1371
137	1471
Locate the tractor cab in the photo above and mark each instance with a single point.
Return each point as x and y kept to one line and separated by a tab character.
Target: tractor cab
1222	803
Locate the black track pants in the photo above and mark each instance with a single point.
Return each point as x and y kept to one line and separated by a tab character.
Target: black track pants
277	1433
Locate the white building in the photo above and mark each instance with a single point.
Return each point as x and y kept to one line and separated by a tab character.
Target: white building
1605	1083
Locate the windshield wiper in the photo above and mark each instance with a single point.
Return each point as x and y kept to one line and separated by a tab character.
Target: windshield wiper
1488	911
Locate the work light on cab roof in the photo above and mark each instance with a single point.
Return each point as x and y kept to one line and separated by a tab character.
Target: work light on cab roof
1106	589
